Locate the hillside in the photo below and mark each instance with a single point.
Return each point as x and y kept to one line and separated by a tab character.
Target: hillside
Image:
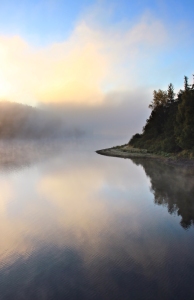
26	122
170	127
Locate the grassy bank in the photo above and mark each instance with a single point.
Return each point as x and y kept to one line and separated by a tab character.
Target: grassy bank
184	158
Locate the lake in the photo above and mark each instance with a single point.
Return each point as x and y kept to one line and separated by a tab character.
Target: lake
78	225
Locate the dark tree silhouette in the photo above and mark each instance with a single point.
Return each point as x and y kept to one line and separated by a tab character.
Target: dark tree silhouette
170	127
172	187
186	85
171	93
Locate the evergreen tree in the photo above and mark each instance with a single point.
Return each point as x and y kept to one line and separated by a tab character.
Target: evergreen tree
171	93
186	85
184	127
170	127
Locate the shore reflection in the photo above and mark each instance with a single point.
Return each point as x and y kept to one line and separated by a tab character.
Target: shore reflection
82	226
172	187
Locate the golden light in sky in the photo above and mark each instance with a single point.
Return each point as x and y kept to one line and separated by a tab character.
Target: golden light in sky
80	69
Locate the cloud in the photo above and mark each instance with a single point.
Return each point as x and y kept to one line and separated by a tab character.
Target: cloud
61	72
99	79
82	69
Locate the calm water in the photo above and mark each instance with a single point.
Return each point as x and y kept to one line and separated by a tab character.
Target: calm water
77	225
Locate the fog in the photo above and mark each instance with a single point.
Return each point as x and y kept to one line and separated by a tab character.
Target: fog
19	121
120	115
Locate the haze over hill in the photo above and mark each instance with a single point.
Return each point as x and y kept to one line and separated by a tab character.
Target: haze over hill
97	70
26	122
118	116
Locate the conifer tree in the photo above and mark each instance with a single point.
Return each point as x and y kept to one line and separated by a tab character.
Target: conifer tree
170	126
186	85
184	127
171	93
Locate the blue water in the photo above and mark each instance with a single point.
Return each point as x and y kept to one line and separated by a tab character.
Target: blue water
78	225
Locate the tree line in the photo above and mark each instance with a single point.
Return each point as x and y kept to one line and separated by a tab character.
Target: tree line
170	127
18	121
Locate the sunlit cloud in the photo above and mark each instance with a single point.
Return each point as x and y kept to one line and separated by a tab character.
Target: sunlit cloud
90	63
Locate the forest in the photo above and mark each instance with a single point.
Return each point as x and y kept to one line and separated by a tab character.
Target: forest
170	126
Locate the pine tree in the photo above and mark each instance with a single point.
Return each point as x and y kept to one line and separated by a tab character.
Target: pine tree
170	126
186	85
171	93
184	127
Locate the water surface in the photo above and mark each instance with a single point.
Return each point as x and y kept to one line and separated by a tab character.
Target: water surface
77	225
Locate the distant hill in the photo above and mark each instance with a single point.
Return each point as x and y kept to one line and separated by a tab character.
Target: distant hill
26	122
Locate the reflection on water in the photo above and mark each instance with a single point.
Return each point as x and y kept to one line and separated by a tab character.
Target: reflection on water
172	187
78	225
17	154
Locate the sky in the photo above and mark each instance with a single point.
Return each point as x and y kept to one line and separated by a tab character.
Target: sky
95	58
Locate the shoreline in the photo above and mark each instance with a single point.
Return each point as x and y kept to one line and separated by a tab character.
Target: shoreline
127	152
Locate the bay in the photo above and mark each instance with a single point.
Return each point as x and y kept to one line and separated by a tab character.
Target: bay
77	225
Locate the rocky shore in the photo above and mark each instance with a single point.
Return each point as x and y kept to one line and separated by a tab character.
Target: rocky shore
127	151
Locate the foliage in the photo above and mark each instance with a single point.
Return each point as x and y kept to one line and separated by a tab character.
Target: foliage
159	98
184	129
170	127
171	93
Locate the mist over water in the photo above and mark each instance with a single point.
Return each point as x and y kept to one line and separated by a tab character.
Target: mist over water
80	76
78	225
71	121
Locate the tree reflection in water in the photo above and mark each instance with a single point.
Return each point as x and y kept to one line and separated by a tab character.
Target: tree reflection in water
172	187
